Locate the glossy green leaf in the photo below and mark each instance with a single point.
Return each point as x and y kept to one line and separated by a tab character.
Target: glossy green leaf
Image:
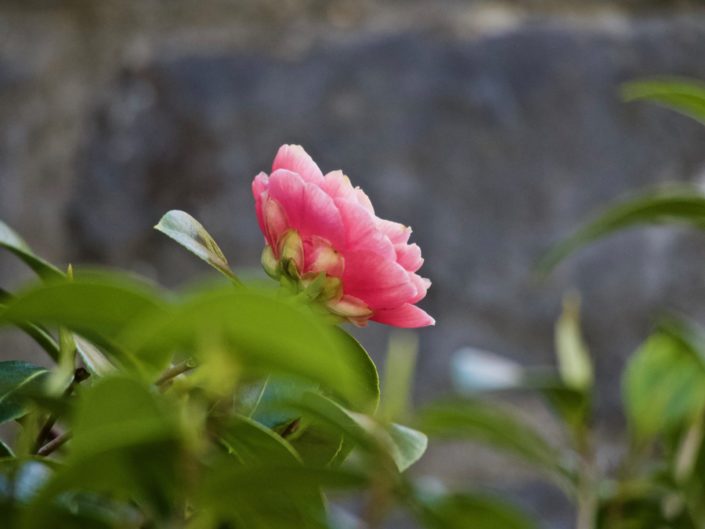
263	335
99	307
664	384
5	450
15	379
686	96
93	358
191	234
37	332
675	205
573	356
403	445
491	425
16	245
463	511
252	443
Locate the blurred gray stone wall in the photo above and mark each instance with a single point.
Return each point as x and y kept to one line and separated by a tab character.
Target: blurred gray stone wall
493	129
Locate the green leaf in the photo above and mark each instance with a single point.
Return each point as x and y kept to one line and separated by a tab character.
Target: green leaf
493	426
126	442
99	307
5	451
93	358
16	245
191	234
263	335
664	384
573	355
403	445
408	445
462	511
15	378
38	333
673	205
682	95
252	443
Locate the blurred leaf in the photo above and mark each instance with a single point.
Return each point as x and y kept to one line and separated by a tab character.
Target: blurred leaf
463	511
98	307
403	445
38	333
251	443
570	404
92	357
126	442
408	445
664	384
5	451
15	244
573	356
493	426
191	234
682	95
262	335
16	377
262	402
475	371
398	375
269	496
676	205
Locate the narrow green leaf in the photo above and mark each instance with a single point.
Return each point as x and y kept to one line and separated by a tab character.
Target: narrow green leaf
12	242
664	384
93	358
686	96
674	205
15	378
573	356
493	426
191	234
5	451
38	333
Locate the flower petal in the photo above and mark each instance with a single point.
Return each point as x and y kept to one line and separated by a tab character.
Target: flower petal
380	283
407	316
397	233
362	232
422	285
295	159
409	256
259	188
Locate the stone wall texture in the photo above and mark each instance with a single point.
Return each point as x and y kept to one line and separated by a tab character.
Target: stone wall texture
492	128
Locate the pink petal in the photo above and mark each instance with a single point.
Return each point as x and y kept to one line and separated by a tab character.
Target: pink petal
337	185
397	233
407	316
295	159
409	256
259	188
364	200
362	232
422	285
308	208
275	222
380	283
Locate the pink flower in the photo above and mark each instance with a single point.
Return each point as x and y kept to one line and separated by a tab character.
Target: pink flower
323	236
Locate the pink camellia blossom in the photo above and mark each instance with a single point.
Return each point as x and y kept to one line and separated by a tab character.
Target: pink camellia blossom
323	236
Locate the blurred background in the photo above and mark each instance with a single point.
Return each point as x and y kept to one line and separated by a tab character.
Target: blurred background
492	128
